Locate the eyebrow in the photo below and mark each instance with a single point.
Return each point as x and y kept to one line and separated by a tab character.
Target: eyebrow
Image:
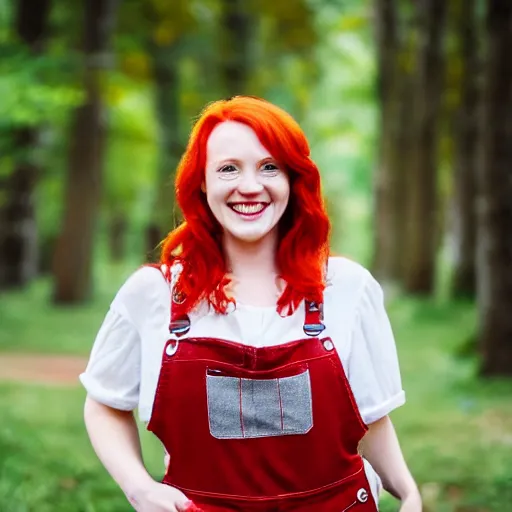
224	161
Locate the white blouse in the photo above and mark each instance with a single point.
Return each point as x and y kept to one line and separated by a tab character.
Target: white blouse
124	365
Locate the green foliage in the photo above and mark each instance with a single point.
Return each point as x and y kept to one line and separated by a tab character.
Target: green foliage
33	90
172	20
341	122
130	162
291	21
157	21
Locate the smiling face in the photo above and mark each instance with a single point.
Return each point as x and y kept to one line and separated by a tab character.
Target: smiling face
246	189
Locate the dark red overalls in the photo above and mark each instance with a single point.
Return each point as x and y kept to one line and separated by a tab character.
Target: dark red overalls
269	429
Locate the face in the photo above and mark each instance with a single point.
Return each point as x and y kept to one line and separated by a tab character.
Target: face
246	188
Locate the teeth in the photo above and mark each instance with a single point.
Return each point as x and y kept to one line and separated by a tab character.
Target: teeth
248	208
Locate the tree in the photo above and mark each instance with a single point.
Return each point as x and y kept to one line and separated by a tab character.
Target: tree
18	229
421	216
236	35
169	24
387	178
494	254
284	65
72	266
466	143
165	64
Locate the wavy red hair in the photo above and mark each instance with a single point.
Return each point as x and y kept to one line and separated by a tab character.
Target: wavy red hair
304	229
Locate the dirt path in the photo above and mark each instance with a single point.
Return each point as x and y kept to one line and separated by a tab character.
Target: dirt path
58	370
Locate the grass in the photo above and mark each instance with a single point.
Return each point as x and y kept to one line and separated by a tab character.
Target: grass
46	461
31	323
456	430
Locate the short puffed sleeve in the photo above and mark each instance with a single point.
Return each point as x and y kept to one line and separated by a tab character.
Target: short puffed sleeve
372	367
113	374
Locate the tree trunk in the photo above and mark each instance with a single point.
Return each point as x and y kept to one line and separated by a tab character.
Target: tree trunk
75	247
494	254
402	157
396	91
46	252
422	219
466	142
18	228
118	225
167	109
235	46
391	86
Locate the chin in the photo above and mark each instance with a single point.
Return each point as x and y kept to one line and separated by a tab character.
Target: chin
249	237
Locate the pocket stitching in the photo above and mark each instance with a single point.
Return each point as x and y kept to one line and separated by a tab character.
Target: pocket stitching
281	432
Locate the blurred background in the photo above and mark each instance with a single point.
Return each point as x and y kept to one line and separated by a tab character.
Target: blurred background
408	108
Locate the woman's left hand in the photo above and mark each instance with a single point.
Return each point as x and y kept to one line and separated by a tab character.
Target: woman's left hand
411	503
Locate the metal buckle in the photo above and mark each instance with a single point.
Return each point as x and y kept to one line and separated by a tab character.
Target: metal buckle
172	347
313	307
313	329
180	326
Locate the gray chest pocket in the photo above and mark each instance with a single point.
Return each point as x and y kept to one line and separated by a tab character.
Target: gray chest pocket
246	408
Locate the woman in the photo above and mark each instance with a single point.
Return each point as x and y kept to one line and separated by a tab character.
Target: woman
265	367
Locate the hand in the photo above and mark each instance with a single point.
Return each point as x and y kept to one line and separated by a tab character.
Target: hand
157	497
411	503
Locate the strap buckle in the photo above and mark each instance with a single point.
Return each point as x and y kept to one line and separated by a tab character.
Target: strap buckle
313	324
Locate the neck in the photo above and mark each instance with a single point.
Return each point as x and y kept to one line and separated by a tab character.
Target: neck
252	259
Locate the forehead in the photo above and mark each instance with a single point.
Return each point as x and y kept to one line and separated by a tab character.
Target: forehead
231	139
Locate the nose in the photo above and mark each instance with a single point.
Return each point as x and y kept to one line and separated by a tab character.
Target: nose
250	183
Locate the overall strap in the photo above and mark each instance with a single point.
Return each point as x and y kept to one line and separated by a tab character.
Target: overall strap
179	324
314	316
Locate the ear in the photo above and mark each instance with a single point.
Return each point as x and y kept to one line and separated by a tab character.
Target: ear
203	187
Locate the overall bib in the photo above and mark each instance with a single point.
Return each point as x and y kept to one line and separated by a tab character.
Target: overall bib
269	429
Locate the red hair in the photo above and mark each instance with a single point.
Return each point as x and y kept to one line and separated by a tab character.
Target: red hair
303	246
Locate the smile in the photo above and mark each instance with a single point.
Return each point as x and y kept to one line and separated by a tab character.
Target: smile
248	208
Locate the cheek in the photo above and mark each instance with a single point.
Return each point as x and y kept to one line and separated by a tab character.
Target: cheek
282	191
217	191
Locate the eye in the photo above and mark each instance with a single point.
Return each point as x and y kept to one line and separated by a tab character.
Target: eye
227	169
270	169
228	172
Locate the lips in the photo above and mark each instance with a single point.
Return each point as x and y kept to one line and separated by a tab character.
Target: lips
248	209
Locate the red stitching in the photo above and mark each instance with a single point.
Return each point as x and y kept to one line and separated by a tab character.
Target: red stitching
280	405
350	506
241	411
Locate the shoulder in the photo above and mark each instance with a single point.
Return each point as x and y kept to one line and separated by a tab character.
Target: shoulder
346	287
347	276
142	284
352	283
143	288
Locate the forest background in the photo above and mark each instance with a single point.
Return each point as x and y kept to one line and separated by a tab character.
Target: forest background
408	108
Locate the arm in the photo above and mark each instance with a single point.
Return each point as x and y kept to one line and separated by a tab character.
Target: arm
116	441
381	448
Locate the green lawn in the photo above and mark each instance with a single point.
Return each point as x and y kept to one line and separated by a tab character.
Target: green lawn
30	323
46	461
456	431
